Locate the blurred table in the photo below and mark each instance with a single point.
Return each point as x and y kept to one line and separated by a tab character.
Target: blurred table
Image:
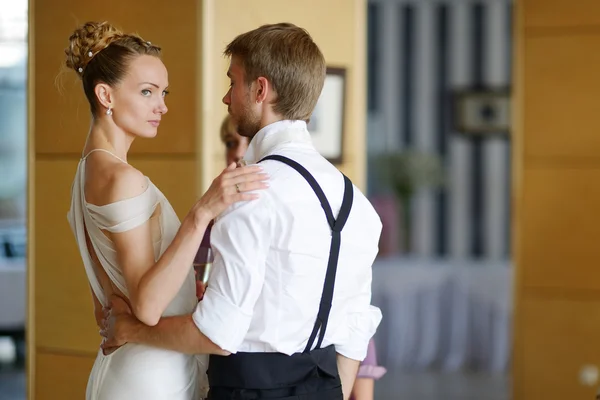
443	314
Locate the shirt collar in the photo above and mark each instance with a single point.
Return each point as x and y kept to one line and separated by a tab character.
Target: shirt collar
273	135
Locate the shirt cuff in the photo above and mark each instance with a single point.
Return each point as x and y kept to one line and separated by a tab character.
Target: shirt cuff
361	328
221	321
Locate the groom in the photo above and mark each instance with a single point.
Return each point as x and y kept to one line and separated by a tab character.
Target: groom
286	311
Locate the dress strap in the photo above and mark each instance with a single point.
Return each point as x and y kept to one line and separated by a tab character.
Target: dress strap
105	151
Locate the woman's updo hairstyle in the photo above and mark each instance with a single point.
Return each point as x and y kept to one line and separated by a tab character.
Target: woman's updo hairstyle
100	53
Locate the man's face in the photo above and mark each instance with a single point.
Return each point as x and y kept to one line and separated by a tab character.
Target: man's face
240	100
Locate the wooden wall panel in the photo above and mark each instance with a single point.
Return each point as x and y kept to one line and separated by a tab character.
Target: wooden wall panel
559	338
561	228
64	336
62	113
561	13
62	376
556	191
561	87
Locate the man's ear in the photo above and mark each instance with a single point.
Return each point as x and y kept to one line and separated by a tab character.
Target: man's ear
263	89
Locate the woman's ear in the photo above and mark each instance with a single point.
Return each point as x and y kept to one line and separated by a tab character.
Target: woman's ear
104	95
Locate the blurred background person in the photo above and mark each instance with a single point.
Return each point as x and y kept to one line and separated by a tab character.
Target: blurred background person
235	145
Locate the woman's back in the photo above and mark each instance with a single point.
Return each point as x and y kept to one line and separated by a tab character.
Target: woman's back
133	370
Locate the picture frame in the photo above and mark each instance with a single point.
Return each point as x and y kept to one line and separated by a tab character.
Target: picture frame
326	124
480	112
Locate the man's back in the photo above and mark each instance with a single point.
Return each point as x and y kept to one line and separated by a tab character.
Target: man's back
281	244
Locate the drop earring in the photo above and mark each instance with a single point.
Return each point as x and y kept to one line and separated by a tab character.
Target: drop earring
109	111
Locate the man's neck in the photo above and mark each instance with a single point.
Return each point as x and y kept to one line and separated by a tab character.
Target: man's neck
284	131
269	117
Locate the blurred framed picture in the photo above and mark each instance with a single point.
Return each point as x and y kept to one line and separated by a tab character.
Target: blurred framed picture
326	124
482	112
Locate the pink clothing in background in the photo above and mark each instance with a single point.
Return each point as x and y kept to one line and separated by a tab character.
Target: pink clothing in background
369	368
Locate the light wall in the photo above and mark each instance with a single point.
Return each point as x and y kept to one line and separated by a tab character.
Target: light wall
182	160
556	150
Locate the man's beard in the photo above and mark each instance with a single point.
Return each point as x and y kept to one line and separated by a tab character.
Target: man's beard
248	125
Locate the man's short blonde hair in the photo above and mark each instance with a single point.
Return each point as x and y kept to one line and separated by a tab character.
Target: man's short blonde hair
288	57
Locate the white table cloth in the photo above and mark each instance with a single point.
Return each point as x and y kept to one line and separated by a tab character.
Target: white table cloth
442	314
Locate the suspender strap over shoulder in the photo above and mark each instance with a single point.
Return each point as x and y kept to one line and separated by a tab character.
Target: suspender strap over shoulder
336	225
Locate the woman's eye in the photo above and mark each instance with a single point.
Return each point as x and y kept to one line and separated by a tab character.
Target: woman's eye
146	92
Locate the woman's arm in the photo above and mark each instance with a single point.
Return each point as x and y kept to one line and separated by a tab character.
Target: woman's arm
363	389
153	284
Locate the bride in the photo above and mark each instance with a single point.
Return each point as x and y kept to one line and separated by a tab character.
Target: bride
130	239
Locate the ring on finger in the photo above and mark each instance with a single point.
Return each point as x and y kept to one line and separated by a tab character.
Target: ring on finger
237	187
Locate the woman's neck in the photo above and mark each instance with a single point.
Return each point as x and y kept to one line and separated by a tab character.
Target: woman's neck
106	135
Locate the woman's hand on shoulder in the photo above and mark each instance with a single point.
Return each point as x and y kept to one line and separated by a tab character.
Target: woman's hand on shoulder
231	186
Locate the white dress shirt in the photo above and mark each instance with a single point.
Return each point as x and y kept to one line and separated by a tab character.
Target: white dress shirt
271	255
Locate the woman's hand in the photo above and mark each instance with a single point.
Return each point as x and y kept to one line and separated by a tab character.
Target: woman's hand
231	186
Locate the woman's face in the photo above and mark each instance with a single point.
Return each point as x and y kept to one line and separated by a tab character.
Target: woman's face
235	146
139	100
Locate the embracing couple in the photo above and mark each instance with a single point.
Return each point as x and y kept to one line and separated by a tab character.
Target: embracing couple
286	313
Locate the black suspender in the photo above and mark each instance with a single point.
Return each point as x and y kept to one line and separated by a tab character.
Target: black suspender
336	226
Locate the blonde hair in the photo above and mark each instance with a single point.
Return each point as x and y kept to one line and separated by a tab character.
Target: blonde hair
227	127
101	53
288	57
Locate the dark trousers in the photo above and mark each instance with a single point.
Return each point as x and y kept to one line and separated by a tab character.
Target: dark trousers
309	390
274	376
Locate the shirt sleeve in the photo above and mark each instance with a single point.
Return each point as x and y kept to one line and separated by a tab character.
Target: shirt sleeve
240	238
362	319
362	323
